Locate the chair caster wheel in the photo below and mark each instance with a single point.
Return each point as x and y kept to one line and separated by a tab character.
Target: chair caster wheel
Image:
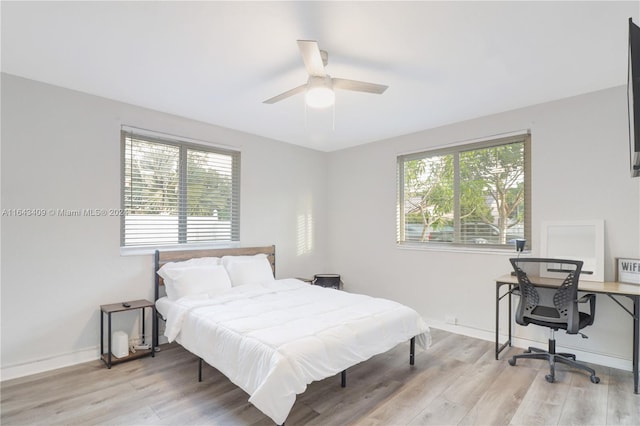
512	362
549	378
595	379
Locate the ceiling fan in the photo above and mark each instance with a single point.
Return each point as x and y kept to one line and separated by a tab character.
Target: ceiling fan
320	85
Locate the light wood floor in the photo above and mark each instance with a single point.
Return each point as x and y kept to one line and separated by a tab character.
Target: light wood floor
456	382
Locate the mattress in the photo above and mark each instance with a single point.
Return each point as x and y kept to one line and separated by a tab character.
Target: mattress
162	306
274	338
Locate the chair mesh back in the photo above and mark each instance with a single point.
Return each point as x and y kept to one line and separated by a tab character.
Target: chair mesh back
529	294
550	305
564	296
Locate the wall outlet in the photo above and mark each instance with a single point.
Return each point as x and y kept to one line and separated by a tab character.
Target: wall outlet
451	319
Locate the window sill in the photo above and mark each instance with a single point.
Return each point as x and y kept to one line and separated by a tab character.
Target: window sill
507	251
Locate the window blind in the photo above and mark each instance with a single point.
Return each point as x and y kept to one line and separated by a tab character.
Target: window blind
176	192
466	195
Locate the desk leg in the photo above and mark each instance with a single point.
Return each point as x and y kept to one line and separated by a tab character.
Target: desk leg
509	288
500	348
636	332
497	319
636	340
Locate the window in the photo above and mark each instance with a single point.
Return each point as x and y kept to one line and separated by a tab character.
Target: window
176	192
466	195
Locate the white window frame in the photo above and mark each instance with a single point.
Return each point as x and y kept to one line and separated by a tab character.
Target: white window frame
455	150
184	145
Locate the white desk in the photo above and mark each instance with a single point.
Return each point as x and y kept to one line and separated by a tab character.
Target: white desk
611	289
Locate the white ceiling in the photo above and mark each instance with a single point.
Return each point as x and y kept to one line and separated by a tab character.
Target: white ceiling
217	61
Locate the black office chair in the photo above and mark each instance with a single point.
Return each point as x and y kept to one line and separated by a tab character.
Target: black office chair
555	307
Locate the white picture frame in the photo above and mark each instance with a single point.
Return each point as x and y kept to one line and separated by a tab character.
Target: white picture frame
575	240
628	270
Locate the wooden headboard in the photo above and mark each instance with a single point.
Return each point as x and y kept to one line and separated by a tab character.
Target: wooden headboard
162	257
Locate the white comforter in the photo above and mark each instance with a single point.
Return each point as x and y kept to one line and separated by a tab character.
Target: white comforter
275	338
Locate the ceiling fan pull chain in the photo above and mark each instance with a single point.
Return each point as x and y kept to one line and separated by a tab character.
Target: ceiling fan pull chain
333	124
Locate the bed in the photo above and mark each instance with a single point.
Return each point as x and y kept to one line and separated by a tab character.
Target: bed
272	337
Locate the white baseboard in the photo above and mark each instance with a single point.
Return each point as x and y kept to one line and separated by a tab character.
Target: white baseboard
54	362
50	363
591	357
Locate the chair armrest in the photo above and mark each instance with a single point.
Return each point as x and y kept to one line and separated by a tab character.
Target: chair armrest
591	298
586	298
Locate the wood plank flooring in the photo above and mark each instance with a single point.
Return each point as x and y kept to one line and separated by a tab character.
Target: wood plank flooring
456	382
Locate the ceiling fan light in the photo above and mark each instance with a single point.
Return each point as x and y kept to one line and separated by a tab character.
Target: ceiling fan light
320	97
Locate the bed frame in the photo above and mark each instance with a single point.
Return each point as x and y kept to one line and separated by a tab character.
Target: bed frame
176	256
162	257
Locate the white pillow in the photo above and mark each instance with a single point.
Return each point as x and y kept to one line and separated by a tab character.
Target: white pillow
168	268
227	260
248	269
193	280
197	261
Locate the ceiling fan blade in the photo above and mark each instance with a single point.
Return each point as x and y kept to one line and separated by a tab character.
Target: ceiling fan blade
312	57
358	86
285	95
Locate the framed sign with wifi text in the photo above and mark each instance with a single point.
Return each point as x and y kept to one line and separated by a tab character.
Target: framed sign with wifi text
628	270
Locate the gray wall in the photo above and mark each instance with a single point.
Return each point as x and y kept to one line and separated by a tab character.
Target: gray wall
325	213
61	150
580	171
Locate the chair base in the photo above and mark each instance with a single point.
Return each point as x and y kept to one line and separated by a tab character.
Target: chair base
553	358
